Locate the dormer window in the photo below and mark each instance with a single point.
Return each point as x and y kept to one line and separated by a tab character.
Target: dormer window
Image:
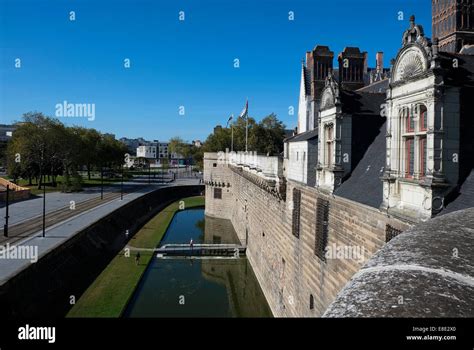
414	140
329	136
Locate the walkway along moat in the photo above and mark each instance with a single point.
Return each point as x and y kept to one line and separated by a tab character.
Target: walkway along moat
198	287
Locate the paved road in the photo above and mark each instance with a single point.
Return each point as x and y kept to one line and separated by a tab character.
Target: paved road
58	233
33	207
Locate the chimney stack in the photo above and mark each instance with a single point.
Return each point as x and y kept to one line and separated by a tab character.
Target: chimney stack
309	59
379	59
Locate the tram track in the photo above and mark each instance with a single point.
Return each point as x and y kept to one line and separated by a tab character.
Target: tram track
29	227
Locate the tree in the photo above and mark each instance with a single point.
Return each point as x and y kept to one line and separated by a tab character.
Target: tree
43	146
265	137
178	146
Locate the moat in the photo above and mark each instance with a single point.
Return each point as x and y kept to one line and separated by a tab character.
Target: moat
198	287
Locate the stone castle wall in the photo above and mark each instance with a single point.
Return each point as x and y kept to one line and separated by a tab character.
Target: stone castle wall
287	268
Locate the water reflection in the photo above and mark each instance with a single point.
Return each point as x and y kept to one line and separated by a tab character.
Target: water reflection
206	287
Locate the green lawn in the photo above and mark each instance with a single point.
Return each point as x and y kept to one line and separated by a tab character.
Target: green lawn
94	181
109	294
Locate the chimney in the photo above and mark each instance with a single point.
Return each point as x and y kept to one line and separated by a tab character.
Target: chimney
379	59
309	59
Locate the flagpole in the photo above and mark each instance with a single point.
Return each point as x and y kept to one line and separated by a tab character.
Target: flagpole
247	129
232	138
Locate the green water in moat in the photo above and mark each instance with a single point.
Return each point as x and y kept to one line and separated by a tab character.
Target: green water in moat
207	287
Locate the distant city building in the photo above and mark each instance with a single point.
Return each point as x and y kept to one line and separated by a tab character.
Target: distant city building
6	132
159	151
133	144
163	150
148	152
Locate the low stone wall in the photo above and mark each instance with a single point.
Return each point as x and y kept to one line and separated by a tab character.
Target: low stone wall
295	281
428	271
43	290
16	192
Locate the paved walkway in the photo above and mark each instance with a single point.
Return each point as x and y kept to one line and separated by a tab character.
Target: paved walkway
59	233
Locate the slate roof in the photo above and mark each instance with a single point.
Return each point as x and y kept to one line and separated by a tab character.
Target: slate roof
377	87
461	76
361	103
304	136
364	184
465	198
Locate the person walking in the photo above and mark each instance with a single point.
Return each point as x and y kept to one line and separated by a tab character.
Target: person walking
137	258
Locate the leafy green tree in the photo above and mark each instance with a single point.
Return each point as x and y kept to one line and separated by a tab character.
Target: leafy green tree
178	146
265	137
43	146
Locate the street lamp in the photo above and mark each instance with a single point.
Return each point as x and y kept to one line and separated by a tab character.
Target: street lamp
102	182
232	132
121	184
5	228
44	204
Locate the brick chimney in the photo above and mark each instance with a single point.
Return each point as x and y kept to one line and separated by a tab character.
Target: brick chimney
352	68
379	60
309	59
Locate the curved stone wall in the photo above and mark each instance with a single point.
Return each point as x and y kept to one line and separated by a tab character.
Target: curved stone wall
427	271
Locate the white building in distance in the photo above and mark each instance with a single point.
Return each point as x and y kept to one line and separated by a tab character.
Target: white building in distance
148	152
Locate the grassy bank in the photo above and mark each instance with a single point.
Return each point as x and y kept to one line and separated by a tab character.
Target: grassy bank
93	182
110	292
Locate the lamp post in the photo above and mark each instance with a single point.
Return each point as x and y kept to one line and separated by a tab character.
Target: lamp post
102	182
44	205
121	184
5	228
231	132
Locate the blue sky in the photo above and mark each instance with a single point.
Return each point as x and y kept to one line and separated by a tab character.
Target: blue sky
176	63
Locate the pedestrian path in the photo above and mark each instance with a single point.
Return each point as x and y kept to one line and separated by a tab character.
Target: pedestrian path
63	231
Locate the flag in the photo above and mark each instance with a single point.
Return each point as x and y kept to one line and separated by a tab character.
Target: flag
230	119
245	111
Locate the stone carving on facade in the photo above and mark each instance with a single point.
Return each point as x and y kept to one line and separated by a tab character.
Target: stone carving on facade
330	95
415	56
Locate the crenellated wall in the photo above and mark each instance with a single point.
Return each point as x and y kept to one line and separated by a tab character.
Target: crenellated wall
287	267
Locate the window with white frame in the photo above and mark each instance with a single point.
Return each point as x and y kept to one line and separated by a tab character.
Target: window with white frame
329	141
414	124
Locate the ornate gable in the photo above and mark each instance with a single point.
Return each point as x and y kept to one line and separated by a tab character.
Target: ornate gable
330	95
413	59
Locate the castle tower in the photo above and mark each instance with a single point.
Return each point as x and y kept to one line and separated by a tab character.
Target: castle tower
453	24
319	62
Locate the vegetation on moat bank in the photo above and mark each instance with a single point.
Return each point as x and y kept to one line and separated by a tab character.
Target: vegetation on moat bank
109	294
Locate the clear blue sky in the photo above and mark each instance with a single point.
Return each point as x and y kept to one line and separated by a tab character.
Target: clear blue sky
174	63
